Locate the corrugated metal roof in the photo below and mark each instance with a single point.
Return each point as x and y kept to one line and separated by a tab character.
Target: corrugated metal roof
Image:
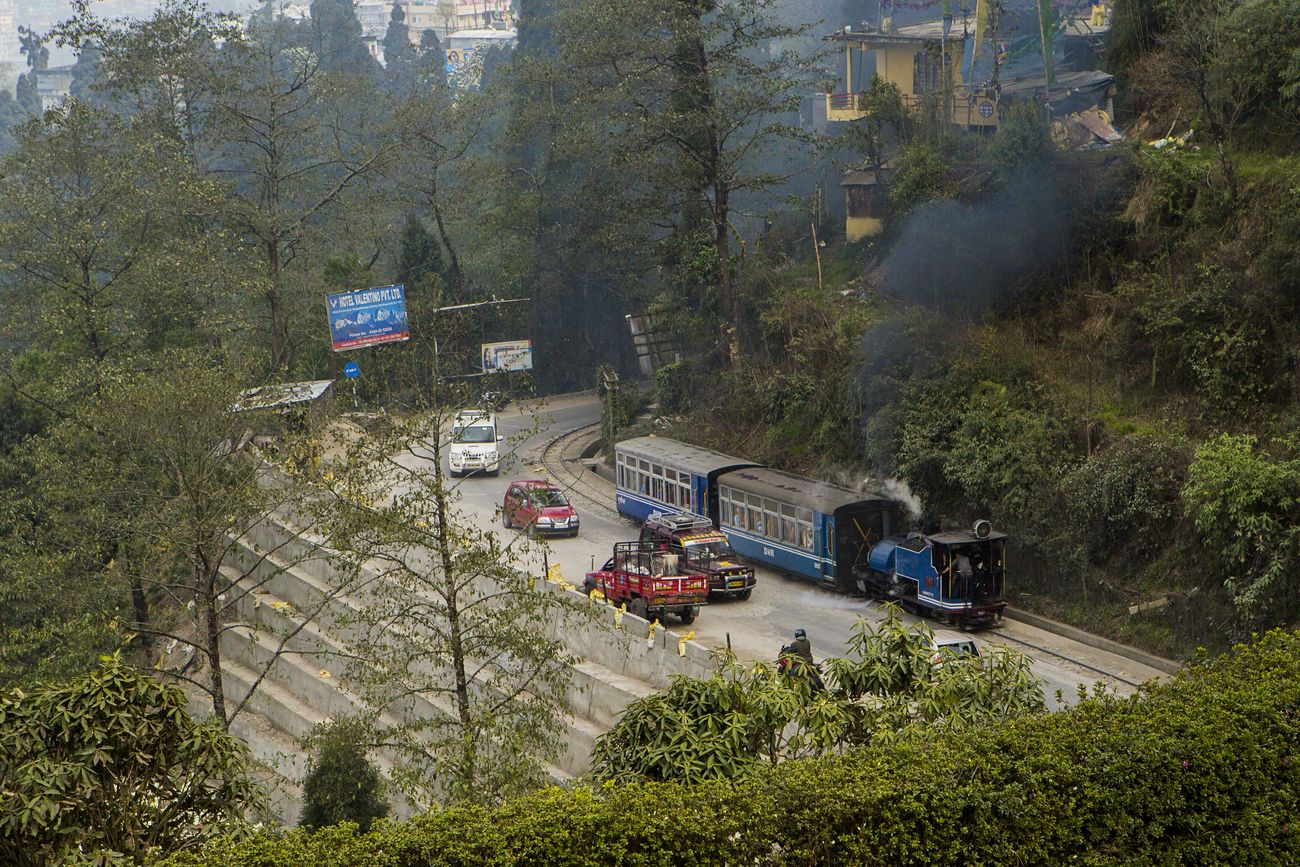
679	455
823	497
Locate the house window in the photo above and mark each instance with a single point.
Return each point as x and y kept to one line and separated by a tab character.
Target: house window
926	74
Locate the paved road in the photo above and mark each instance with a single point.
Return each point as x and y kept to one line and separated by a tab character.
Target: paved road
756	628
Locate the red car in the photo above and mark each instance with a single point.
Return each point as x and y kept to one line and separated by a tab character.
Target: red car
539	506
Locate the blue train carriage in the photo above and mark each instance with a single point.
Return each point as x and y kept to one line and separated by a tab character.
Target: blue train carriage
657	474
802	526
956	577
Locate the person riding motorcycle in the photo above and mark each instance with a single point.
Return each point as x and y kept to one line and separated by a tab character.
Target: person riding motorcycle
804	664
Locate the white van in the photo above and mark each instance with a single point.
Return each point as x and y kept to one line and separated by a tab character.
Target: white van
474	442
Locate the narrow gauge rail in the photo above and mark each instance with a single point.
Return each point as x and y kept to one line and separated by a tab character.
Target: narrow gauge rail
580	485
851	540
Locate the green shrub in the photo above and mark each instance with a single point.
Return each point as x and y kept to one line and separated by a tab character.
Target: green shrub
673	387
1200	770
341	784
1126	497
1023	138
922	175
1246	506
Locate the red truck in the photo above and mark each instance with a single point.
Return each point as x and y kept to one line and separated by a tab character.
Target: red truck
651	581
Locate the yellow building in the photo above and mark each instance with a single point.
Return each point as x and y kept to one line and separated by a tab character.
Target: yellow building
865	202
918	60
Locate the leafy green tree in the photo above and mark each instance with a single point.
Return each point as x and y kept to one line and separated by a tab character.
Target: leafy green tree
420	256
883	103
111	769
701	95
32	46
922	175
1125	498
341	785
151	483
401	59
98	220
451	627
1024	137
1005	452
1245	503
12	114
336	39
890	688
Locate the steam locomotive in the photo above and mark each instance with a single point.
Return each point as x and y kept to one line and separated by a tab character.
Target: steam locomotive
852	541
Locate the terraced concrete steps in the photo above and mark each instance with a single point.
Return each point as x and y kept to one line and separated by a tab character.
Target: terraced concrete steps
307	677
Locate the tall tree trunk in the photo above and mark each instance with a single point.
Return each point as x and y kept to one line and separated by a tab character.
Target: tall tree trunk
279	341
457	280
728	305
468	770
206	591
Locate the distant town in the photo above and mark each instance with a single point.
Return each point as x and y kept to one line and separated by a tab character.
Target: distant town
471	22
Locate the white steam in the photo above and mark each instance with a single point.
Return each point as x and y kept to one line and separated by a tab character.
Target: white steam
898	489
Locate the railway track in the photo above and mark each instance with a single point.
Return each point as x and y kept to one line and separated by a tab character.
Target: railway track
578	483
575	481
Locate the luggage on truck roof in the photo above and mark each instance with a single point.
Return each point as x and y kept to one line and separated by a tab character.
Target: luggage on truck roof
680	521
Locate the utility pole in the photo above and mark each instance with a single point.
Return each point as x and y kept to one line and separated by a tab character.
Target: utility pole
610	385
489	303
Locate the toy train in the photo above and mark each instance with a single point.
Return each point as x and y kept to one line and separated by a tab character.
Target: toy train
854	541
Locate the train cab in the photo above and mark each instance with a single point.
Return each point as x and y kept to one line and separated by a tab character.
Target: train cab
956	577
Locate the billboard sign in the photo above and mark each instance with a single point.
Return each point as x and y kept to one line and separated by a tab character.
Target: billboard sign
366	317
508	355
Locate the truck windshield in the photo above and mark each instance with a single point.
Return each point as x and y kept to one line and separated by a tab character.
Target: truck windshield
704	551
476	434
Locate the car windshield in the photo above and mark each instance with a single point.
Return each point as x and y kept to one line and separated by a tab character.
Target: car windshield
708	550
549	497
476	434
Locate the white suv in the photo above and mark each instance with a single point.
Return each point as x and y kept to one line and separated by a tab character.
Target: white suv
474	443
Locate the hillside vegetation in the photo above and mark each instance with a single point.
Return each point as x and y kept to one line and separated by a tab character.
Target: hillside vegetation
1099	351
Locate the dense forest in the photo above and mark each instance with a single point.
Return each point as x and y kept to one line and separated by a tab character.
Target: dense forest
1097	349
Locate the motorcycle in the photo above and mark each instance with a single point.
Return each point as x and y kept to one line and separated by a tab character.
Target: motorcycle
792	665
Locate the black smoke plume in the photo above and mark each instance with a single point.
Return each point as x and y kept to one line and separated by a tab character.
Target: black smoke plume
962	260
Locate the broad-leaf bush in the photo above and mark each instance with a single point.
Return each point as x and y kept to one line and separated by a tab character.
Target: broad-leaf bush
1245	503
1201	770
110	768
1126	497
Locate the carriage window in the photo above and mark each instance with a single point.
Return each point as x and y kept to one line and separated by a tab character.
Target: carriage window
656	488
684	493
805	536
724	511
788	533
771	518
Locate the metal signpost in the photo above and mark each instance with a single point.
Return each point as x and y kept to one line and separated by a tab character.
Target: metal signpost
352	371
367	317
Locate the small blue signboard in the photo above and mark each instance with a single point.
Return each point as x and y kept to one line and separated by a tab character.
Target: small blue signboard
366	317
351	370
